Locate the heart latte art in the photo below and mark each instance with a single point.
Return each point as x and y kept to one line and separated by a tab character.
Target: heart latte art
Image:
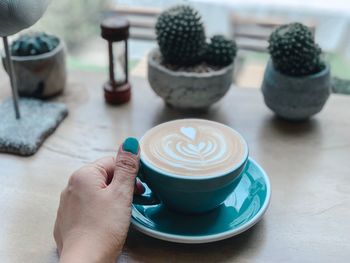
193	147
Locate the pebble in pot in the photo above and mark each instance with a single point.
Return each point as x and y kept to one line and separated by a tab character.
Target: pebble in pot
296	83
39	64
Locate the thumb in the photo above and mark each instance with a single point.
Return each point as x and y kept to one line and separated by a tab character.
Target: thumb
126	168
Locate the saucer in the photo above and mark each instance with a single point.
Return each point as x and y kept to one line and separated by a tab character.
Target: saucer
239	212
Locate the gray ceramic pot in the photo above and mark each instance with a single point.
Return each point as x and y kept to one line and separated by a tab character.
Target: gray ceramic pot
188	90
41	76
295	98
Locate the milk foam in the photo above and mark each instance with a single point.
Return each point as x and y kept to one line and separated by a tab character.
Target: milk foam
193	147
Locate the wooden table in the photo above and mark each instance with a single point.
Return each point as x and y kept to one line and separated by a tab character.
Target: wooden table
308	163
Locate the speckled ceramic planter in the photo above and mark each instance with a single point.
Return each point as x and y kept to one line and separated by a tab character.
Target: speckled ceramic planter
295	98
41	76
188	90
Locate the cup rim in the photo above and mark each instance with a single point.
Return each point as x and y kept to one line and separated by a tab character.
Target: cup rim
206	177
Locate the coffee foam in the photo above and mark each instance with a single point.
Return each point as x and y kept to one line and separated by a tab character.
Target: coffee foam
193	147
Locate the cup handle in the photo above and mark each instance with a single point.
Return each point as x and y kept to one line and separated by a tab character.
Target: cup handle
145	199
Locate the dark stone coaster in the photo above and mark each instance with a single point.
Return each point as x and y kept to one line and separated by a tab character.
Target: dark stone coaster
38	120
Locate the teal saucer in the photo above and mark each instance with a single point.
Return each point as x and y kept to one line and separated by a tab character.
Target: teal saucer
241	210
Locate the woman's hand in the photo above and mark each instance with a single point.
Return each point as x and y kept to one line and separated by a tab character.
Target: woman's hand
95	209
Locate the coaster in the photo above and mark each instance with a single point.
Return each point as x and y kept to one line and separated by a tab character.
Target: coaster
38	120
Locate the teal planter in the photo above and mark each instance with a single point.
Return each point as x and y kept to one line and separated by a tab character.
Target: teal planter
295	98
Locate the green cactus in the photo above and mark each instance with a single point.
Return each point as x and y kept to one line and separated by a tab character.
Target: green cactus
31	44
180	36
294	51
220	51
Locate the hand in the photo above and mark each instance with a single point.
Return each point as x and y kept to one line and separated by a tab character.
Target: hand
95	209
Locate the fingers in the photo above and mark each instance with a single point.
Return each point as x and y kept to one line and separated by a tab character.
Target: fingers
106	166
126	168
93	175
119	173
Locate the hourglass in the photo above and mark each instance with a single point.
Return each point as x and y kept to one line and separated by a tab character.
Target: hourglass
115	30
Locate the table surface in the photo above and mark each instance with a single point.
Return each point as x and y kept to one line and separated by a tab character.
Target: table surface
308	164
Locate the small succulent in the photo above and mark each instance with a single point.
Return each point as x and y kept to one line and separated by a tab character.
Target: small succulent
180	36
294	51
31	44
220	51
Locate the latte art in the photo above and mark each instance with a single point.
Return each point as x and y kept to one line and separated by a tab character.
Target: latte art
192	154
193	147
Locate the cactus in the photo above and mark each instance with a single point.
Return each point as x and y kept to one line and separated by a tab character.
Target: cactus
294	51
180	36
220	51
31	44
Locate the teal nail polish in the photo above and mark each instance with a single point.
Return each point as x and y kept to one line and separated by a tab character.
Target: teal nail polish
131	145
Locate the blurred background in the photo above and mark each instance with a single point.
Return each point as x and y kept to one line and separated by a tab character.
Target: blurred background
77	22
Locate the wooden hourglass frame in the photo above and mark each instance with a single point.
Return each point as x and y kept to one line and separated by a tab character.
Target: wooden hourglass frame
116	29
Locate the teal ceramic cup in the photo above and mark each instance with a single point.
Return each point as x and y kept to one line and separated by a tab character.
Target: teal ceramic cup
189	194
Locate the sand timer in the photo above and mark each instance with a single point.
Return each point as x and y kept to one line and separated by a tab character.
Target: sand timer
115	30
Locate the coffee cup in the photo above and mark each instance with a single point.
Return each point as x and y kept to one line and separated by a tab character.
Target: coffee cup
191	165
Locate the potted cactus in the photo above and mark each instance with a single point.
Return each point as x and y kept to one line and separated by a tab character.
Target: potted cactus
187	70
296	83
39	63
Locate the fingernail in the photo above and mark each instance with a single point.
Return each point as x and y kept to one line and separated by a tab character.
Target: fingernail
131	145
